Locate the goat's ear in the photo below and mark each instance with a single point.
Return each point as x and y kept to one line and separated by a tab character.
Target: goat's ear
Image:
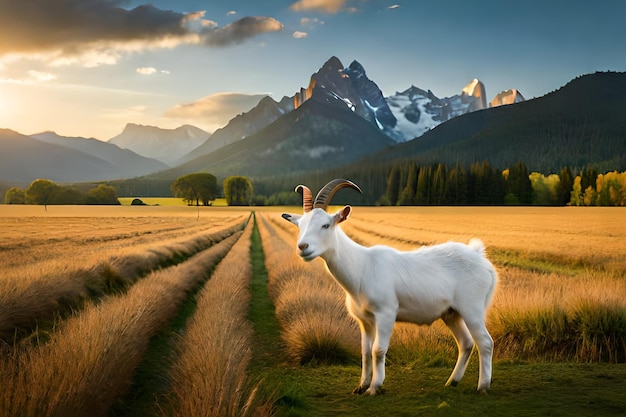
343	214
292	218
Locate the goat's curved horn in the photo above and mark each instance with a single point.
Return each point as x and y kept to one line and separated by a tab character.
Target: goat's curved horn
328	191
307	197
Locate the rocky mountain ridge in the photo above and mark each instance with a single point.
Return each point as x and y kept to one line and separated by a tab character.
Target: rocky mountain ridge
402	116
166	145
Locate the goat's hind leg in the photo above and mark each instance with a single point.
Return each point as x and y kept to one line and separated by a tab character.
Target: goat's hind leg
484	343
464	343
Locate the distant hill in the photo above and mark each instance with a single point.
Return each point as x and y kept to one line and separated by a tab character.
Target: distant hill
126	163
24	159
241	126
166	145
582	124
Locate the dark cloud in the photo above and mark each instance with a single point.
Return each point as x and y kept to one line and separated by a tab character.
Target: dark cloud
241	30
40	25
76	26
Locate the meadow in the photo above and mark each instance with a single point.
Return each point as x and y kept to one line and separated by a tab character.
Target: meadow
173	310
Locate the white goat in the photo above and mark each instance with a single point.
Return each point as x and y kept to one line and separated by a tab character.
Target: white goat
451	281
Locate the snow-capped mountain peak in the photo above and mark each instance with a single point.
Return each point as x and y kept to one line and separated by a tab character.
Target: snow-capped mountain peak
511	96
418	111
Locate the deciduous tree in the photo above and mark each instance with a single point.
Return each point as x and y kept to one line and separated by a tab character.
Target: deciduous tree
41	191
102	194
197	187
238	191
15	195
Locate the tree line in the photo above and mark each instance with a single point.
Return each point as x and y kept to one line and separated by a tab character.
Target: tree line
406	183
201	187
196	189
410	183
482	184
45	192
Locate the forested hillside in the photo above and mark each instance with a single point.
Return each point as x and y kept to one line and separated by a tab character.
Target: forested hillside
580	125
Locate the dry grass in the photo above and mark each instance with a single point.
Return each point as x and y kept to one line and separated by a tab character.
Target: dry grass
548	315
561	291
53	264
594	236
309	304
562	275
209	376
90	359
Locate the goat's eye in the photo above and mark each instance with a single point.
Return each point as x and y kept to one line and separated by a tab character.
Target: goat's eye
326	226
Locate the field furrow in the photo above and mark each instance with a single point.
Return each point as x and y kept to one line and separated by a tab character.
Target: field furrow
36	293
309	305
89	361
34	240
210	374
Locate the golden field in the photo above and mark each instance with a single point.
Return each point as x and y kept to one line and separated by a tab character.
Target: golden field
562	275
92	286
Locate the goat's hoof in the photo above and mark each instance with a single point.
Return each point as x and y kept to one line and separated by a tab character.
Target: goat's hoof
375	391
359	390
482	391
454	383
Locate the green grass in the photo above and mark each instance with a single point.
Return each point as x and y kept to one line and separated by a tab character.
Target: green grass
167	201
537	262
266	328
519	389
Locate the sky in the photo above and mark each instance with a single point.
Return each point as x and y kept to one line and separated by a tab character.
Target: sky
88	67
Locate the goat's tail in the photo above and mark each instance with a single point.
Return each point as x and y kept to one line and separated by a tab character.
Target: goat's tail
477	245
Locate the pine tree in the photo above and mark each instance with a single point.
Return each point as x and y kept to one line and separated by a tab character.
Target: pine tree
393	185
422	194
564	189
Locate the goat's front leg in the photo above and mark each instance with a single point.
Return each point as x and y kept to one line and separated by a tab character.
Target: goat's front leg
367	339
384	327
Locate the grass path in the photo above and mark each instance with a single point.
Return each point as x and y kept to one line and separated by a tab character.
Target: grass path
268	350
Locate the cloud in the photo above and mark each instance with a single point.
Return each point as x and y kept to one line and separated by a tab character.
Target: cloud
394	6
150	71
240	30
216	110
41	76
326	6
33	77
299	35
310	22
97	32
146	70
230	13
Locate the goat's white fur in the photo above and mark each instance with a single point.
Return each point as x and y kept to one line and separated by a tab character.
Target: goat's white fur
451	281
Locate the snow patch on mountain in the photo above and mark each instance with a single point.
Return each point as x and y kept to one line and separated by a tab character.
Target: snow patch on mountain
405	108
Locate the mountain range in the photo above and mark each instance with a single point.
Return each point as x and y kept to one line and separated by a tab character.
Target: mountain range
166	145
66	159
341	118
